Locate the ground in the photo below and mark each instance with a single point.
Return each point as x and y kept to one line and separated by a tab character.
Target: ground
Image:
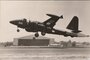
35	53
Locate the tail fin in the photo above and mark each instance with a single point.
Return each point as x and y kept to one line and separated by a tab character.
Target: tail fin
73	25
52	21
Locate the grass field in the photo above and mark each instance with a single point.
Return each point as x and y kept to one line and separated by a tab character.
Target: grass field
28	53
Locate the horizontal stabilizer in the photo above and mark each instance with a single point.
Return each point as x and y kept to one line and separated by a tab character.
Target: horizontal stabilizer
76	31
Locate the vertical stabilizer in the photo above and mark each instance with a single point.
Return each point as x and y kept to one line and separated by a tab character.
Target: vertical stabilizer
73	25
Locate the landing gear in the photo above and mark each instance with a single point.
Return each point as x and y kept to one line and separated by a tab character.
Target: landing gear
43	33
18	30
36	34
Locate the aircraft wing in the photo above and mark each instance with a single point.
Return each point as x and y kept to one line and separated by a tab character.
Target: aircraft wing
52	21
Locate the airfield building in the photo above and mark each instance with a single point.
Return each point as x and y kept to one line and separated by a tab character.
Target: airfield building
32	41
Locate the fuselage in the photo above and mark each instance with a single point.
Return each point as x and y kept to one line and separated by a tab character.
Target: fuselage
37	27
43	28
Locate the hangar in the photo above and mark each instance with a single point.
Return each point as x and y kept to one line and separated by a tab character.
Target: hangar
32	41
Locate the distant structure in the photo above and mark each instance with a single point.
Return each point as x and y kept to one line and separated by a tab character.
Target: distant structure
68	44
32	41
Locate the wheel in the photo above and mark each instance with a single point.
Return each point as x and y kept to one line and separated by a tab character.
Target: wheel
18	30
43	33
36	35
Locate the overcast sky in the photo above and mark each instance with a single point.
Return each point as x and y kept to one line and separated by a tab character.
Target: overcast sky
37	10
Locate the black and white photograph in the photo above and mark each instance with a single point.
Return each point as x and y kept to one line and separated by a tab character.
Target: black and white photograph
44	30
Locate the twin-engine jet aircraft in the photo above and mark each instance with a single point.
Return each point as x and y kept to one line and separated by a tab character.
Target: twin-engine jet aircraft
47	26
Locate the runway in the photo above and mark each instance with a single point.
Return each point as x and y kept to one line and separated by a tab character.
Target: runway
33	53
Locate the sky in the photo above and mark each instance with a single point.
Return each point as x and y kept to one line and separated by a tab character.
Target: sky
37	10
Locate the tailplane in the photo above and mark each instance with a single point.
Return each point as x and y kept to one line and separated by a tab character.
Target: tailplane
73	25
52	21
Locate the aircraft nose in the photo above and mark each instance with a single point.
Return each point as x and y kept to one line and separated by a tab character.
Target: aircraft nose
11	22
14	22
